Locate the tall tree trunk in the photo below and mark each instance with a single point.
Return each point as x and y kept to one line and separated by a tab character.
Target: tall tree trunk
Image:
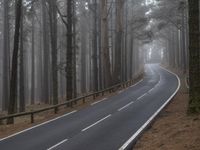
46	53
54	57
100	72
6	55
95	49
74	50
183	36
13	80
21	82
83	55
104	45
117	75
33	59
69	54
125	59
194	71
131	55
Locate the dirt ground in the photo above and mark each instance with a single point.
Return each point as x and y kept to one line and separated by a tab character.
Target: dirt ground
173	129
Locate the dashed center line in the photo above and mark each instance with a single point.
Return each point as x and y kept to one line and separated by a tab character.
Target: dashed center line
63	141
96	123
125	106
142	96
98	101
151	90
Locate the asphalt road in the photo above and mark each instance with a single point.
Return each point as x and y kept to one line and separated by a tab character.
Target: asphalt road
104	125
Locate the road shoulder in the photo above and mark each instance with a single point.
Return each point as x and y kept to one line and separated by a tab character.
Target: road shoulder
173	128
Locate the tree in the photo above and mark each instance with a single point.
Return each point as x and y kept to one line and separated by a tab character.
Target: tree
74	50
105	60
21	73
194	48
14	67
6	53
95	47
69	54
54	55
33	57
119	42
46	52
83	52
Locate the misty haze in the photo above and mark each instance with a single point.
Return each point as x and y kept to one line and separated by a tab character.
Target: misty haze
99	74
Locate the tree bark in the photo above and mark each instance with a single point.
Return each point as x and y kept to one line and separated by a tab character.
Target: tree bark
33	59
13	80
6	56
45	54
117	75
69	54
21	73
95	49
54	57
105	46
194	69
74	50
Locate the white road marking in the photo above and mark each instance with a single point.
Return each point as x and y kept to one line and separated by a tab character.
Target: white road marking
159	82
98	101
142	96
96	123
63	141
135	135
151	90
186	83
151	70
125	106
137	83
120	91
38	125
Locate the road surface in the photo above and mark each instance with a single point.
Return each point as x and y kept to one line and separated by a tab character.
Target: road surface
104	125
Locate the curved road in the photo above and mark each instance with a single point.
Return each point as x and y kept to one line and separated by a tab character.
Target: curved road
105	125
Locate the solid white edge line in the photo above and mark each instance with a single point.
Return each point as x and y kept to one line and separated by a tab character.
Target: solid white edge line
137	83
186	83
98	101
142	96
63	141
37	125
153	116
125	106
120	91
96	123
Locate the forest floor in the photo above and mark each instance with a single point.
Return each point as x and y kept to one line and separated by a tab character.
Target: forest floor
22	123
173	129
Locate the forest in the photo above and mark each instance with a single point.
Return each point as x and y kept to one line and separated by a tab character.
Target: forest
56	50
99	74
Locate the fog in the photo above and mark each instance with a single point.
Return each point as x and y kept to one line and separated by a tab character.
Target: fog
67	50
